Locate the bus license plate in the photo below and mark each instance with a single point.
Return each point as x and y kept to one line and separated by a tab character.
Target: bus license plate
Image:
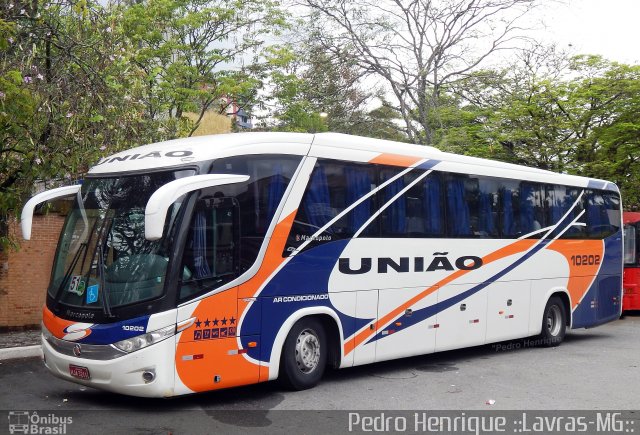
79	372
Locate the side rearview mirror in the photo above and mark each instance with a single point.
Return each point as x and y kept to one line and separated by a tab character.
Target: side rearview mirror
26	219
155	213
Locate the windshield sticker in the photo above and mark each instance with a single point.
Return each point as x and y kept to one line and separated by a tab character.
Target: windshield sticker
77	285
92	294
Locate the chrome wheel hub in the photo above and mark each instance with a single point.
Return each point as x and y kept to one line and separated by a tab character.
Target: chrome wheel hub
553	320
307	351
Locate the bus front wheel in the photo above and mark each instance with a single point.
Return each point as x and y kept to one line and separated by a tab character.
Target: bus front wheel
554	323
304	355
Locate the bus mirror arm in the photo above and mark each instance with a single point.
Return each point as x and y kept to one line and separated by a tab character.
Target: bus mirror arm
26	218
155	213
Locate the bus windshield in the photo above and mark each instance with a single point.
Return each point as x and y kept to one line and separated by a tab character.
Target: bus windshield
102	249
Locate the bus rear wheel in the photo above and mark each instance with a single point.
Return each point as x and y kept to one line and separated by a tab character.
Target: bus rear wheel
304	355
554	323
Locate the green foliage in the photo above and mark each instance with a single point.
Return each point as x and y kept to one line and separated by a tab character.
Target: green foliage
584	120
186	48
82	79
309	81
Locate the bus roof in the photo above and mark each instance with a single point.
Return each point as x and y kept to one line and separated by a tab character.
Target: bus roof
630	217
186	151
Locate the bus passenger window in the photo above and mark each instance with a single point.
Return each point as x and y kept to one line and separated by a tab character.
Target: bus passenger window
555	203
459	223
258	198
394	217
508	216
333	187
418	212
532	216
603	214
487	208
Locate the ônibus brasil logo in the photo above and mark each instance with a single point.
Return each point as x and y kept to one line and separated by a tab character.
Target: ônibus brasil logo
33	423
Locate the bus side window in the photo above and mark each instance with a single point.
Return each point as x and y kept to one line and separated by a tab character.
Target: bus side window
487	208
555	203
532	216
333	186
574	206
630	252
509	209
393	219
603	214
418	212
459	221
258	198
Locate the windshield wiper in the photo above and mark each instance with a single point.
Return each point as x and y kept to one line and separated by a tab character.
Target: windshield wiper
99	248
76	257
106	307
69	271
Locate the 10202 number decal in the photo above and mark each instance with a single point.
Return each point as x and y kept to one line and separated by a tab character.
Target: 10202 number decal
585	260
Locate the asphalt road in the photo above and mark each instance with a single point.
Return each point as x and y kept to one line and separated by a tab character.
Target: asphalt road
596	369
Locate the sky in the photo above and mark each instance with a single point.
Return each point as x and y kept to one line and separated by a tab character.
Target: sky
610	28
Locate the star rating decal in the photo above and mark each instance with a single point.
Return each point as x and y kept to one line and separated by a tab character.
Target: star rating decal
231	321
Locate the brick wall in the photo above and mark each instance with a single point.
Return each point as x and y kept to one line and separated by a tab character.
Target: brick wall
24	274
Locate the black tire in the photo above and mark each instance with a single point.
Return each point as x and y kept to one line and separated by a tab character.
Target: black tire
554	323
304	355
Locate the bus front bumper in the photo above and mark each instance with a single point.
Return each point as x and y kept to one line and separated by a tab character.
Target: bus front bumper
128	374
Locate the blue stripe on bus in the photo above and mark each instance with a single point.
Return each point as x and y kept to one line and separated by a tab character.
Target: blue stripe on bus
108	333
429	164
424	313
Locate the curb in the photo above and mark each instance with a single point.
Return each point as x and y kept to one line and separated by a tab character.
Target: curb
20	352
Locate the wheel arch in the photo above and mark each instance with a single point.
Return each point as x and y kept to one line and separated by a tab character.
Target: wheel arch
537	309
330	321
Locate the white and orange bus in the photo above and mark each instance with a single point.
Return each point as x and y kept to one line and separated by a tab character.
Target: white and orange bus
213	262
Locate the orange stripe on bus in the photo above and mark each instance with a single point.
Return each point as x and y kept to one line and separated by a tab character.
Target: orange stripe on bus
395	160
272	258
514	248
55	324
582	275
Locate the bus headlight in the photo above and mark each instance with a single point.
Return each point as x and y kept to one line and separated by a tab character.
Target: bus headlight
147	339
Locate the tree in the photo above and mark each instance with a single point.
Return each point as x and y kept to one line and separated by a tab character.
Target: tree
67	94
82	79
578	115
419	47
605	114
191	52
307	81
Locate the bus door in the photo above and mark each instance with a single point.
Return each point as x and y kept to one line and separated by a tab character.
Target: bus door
631	281
208	354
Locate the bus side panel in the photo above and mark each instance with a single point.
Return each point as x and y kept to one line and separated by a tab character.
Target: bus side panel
366	308
464	323
601	302
208	354
404	337
631	297
610	280
508	308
